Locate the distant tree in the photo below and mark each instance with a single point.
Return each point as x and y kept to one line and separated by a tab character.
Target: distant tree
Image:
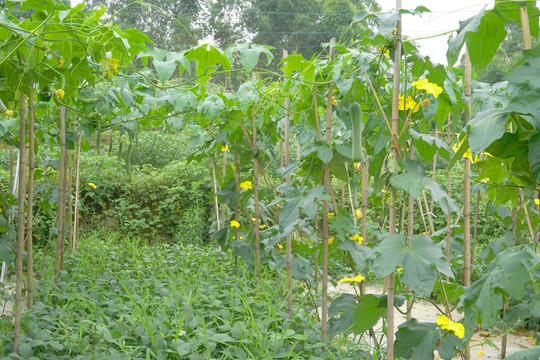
171	24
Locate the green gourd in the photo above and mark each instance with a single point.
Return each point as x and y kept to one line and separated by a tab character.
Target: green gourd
355	110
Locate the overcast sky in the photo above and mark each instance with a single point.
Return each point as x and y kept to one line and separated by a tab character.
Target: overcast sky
445	16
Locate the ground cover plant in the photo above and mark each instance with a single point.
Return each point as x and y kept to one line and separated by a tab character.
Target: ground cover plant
350	159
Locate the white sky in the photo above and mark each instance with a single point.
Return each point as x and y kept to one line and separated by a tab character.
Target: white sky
445	16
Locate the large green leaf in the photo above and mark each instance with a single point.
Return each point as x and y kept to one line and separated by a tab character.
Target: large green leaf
483	43
420	261
529	354
428	145
486	127
416	340
465	28
534	157
351	316
250	54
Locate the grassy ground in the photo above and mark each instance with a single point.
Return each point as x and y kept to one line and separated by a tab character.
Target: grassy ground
120	299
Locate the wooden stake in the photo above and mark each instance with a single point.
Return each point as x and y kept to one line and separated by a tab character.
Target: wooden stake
216	203
525	28
30	205
364	187
467	192
326	205
395	150
58	263
75	239
449	192
256	190
285	162
20	223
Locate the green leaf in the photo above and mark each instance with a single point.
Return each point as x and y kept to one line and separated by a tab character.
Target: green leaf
486	127
164	69
416	340
414	180
484	42
250	54
529	354
465	28
420	261
534	157
428	145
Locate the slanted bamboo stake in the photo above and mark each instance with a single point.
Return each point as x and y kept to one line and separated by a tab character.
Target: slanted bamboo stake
434	171
467	192
20	223
395	150
216	203
422	216
223	174
256	190
75	236
449	192
351	200
30	205
326	205
58	263
430	220
11	175
410	231
475	223
285	162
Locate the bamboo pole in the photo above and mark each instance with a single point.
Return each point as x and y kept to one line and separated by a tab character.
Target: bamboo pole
364	187
434	172
525	28
449	192
410	232
256	190
467	191
326	205
20	223
395	150
58	264
75	237
70	199
216	203
30	205
223	174
285	162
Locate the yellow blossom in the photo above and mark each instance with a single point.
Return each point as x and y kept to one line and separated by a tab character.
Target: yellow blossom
241	238
428	87
384	50
330	215
188	130
8	114
357	238
225	148
246	185
334	101
235	224
484	181
262	226
408	104
61	62
60	93
335	90
467	154
446	324
357	213
331	240
383	191
399	269
357	279
537	201
481	353
233	167
280	247
92	185
253	219
110	67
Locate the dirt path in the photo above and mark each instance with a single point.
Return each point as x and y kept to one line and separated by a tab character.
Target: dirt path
425	311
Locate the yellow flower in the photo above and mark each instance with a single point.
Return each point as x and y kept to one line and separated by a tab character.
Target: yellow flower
262	226
225	148
357	213
408	104
357	238
280	247
481	353
399	269
383	191
537	201
331	240
253	219
428	87
233	167
334	101
60	93
246	185
446	324
384	50
335	90
61	62
8	114
357	279
467	154
241	238
235	224
92	185
188	130
484	181
330	215
110	67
